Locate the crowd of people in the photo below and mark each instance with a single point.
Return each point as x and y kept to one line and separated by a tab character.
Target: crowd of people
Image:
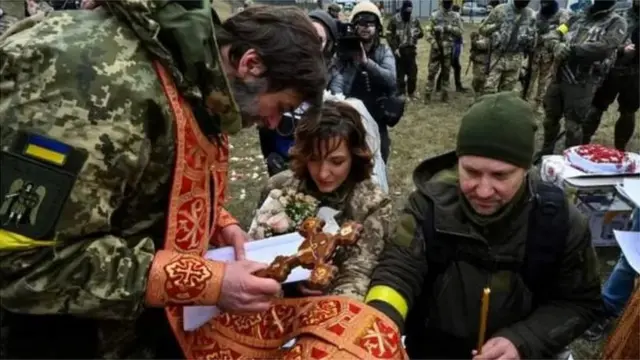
114	134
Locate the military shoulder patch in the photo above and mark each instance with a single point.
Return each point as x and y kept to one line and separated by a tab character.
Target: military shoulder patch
37	176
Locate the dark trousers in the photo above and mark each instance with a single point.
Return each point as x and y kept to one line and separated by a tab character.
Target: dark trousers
571	102
385	143
406	66
623	86
457	70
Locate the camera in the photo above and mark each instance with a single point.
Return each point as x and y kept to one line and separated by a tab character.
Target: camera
349	43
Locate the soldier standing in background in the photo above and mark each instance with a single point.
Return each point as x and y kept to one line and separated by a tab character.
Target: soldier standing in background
548	19
458	46
511	29
584	51
479	57
404	31
624	74
445	27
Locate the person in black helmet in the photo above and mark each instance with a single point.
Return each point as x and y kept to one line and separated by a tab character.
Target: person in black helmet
275	143
584	49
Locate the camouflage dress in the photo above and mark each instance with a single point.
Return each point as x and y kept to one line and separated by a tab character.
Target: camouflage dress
364	203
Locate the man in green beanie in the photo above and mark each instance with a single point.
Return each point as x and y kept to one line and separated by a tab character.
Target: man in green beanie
480	222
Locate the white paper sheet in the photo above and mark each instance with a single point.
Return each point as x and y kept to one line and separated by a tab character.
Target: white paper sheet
264	251
629	242
630	189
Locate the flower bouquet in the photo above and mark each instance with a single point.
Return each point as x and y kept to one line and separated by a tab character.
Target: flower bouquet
281	213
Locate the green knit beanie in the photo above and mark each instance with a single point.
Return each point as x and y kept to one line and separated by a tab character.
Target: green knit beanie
499	126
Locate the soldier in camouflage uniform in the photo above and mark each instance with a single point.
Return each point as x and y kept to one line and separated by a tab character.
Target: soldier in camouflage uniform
340	178
584	51
404	31
445	27
114	142
511	29
622	82
479	57
548	19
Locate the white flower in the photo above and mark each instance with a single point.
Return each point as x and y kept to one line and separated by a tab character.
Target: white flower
279	223
275	194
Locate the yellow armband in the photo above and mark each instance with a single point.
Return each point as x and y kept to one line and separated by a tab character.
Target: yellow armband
390	296
10	241
563	29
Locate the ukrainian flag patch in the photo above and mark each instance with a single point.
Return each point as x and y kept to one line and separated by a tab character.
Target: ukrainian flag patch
46	149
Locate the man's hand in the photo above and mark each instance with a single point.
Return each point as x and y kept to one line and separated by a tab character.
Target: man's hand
447	28
498	348
396	52
629	49
244	292
233	235
88	4
438	29
362	57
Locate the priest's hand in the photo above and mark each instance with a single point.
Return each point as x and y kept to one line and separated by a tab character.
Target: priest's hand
233	235
244	292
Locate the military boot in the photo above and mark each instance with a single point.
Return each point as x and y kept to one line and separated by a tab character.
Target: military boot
459	87
427	97
624	130
445	96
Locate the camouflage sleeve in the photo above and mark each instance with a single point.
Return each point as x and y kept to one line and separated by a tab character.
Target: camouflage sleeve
392	38
492	22
354	274
575	302
431	24
599	50
402	267
99	262
457	27
419	29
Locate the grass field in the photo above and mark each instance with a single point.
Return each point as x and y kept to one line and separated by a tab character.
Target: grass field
423	132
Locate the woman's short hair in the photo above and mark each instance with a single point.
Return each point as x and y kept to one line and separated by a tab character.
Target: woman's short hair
336	119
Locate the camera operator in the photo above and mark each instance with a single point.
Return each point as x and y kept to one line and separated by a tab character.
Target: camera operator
367	70
275	144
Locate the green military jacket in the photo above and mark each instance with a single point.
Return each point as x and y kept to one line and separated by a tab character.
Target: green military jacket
453	305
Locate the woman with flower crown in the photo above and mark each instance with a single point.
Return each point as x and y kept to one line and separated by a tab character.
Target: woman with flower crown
331	165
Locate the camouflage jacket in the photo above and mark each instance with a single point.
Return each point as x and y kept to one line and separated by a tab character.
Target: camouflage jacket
630	62
593	40
546	25
500	28
366	204
86	79
403	33
451	22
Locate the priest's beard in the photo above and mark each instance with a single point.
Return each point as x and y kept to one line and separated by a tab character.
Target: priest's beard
246	94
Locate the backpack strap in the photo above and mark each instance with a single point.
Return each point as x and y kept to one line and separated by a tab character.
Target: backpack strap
546	240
